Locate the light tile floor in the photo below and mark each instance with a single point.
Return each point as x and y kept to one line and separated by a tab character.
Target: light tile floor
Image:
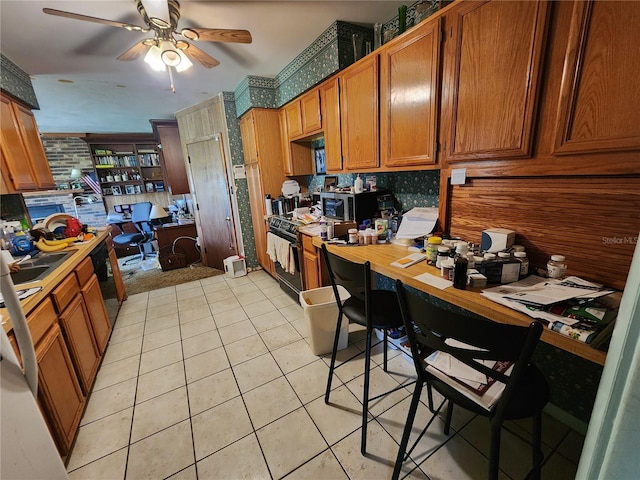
215	379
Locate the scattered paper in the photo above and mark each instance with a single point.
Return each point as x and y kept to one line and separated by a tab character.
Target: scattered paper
409	260
434	280
418	222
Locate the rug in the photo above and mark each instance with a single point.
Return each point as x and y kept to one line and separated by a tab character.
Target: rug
144	276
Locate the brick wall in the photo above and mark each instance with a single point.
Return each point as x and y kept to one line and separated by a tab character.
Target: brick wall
65	153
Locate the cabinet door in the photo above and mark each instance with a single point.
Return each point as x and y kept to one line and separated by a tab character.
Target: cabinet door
33	145
359	115
294	119
409	95
599	98
121	293
78	332
310	268
58	389
97	311
173	165
14	152
494	62
248	139
330	102
256	200
310	112
297	158
284	139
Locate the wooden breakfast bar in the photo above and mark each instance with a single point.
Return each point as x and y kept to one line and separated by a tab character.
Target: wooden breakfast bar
382	255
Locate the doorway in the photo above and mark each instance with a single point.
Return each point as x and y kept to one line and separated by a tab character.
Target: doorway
212	200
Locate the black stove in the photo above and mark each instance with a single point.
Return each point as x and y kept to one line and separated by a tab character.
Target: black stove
286	227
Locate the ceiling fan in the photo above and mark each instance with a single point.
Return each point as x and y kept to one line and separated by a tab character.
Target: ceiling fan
169	46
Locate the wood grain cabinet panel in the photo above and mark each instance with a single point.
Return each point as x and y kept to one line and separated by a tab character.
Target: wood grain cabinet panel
59	392
494	61
297	157
599	99
330	104
293	115
97	311
310	112
173	165
78	332
22	151
359	115
409	94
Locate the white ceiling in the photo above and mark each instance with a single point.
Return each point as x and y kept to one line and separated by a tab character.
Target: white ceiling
81	87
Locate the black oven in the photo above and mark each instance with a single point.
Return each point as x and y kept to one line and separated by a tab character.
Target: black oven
290	279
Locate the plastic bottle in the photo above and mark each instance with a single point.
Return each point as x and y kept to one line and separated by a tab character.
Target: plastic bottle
323	229
353	235
443	254
556	268
358	185
431	249
524	263
460	264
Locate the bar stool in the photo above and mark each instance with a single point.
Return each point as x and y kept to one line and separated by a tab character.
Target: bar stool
369	308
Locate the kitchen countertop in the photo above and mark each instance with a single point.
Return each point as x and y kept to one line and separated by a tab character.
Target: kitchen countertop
51	281
381	256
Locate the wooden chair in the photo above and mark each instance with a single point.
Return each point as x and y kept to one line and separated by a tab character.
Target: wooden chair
471	341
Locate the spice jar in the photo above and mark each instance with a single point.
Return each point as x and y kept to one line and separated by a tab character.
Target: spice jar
431	249
556	268
524	263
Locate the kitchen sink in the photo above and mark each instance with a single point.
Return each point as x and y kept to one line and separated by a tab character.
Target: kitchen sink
29	274
39	267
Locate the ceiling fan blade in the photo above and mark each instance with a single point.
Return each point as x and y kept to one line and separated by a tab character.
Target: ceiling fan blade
86	18
136	51
201	57
222	35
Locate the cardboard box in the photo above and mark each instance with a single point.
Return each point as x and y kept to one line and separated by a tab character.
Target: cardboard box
497	239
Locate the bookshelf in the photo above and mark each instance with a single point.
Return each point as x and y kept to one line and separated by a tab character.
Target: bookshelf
127	165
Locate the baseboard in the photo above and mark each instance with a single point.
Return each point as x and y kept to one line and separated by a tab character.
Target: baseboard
566	418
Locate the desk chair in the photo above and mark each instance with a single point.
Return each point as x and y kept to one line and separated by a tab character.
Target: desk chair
144	234
526	391
370	308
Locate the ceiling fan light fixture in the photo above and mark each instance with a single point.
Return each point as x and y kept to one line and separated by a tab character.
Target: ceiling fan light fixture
189	34
185	63
154	59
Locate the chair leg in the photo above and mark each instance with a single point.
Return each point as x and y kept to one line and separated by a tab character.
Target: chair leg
365	394
384	354
536	447
332	365
494	451
415	400
447	423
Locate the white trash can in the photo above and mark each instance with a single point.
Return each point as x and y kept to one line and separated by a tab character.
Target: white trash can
321	312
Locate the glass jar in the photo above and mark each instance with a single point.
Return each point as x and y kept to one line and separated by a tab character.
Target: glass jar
524	263
556	268
504	255
443	254
431	249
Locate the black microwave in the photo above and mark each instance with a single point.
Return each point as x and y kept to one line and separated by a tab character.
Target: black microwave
344	206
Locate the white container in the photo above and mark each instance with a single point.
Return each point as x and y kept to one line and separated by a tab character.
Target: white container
358	185
235	266
321	312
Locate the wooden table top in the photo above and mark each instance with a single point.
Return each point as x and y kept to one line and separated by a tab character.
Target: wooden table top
382	255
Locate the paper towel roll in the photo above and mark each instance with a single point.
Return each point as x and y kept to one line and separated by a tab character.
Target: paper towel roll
269	208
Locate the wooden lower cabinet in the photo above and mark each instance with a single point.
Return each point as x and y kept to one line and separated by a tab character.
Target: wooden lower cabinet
59	391
312	264
78	332
121	293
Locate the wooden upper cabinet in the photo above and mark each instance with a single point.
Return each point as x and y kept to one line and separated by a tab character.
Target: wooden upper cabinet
310	112
303	115
22	151
599	99
173	165
492	77
293	115
409	94
330	102
249	147
296	157
359	115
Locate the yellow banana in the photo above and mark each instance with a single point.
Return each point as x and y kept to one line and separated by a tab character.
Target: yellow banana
50	248
64	241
